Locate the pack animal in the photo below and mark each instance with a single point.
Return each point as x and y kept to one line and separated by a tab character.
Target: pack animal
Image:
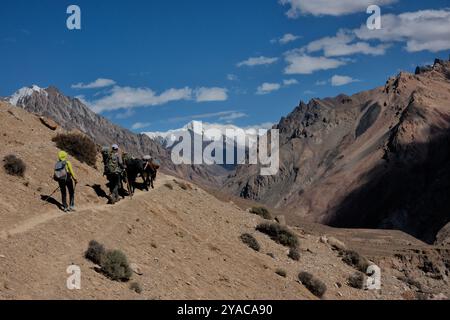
150	172
134	168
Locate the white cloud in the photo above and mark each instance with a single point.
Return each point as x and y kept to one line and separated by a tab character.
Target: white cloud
232	77
329	7
232	116
211	94
128	97
140	125
257	61
99	83
266	88
288	37
337	81
222	115
290	82
341	45
300	63
421	30
321	82
126	114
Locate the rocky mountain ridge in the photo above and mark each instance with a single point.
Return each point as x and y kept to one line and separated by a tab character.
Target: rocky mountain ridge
377	159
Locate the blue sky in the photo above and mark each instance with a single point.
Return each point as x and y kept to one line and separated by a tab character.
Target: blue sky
156	65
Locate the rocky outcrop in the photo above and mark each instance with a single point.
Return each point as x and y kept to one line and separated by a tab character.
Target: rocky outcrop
52	125
443	236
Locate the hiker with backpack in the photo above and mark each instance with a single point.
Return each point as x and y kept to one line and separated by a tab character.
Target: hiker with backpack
114	168
67	181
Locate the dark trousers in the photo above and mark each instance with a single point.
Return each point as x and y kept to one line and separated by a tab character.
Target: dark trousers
114	184
65	185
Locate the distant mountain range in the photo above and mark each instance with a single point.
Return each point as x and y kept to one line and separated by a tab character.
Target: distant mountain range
170	137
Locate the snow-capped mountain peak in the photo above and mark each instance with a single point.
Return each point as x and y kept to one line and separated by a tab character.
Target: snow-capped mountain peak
170	137
19	95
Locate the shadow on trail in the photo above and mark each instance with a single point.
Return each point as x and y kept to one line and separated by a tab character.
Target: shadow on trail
99	191
51	200
141	186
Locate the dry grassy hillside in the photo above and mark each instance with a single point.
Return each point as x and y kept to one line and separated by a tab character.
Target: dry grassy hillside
185	241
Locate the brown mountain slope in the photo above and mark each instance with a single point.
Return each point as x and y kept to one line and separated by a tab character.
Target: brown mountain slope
185	241
378	159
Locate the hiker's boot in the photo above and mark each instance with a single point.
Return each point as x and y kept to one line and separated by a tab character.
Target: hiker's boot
72	205
110	199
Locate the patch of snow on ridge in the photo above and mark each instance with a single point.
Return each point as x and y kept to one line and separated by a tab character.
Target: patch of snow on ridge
168	138
22	93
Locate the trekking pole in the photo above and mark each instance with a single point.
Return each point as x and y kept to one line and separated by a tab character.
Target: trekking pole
51	195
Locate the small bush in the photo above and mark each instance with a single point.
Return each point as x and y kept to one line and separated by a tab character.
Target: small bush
354	259
168	186
357	280
250	241
183	185
279	234
14	166
314	285
281	273
78	146
262	212
294	254
95	252
115	266
136	287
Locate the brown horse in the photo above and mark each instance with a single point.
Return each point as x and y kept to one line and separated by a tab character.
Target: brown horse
150	172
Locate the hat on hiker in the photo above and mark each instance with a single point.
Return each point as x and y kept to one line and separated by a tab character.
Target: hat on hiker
115	147
62	156
147	157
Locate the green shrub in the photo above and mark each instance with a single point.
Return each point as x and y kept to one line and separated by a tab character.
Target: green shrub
14	166
281	273
78	146
354	259
115	266
262	212
294	254
136	287
95	252
279	234
250	241
357	280
314	285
